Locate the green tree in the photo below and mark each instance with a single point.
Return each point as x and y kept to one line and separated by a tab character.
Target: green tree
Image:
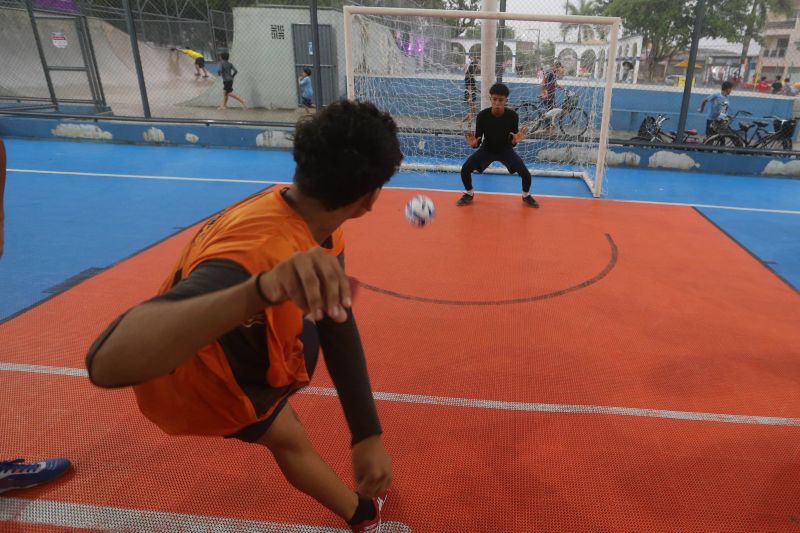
664	34
547	54
671	30
473	32
460	5
584	8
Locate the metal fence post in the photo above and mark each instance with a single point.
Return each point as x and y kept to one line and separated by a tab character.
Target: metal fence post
700	10
137	60
316	79
38	39
213	35
500	58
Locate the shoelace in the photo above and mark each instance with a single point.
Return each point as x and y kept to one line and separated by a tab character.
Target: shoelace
17	466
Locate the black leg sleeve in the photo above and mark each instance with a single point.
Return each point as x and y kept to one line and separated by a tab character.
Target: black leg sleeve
466	172
526	178
514	163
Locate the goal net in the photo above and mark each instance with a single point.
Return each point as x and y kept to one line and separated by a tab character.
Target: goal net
431	69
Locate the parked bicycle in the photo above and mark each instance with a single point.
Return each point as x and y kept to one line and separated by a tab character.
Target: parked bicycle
779	139
651	131
571	119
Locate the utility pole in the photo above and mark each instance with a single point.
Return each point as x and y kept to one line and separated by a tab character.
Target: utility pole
316	78
137	59
700	10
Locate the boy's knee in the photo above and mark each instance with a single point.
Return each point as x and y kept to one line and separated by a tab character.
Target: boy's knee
469	166
286	434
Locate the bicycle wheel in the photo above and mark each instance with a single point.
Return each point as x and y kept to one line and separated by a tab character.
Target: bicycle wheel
646	138
774	142
726	140
530	116
574	122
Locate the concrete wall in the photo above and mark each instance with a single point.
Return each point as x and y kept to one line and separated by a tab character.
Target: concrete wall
265	62
630	105
538	154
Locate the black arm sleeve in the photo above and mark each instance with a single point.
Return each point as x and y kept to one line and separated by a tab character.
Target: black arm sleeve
344	356
210	276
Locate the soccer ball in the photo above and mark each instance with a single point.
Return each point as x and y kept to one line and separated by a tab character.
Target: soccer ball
420	211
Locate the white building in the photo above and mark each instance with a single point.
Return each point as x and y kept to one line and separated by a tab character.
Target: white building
588	59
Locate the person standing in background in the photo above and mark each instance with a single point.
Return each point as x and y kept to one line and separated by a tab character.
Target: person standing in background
306	90
471	88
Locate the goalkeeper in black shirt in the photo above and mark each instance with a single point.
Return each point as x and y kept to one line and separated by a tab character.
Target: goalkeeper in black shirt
496	132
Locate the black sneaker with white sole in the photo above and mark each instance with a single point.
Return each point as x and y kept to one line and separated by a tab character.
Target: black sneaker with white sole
530	201
465	200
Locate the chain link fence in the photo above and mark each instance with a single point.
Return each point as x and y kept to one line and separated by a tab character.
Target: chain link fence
269	45
84	60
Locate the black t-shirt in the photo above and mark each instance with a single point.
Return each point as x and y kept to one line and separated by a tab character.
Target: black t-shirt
549	83
496	131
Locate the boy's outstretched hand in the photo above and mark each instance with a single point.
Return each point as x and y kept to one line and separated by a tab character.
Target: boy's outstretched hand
473	142
372	467
520	135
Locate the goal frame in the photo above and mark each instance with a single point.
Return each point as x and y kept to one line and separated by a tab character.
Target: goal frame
595	184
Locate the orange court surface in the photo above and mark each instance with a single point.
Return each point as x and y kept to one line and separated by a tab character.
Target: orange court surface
589	366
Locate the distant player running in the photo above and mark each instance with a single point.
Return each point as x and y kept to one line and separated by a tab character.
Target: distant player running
718	109
237	326
496	132
227	71
199	60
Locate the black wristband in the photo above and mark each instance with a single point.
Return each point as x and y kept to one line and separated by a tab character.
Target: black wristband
261	294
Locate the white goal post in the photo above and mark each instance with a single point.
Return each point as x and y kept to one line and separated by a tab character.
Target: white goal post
414	64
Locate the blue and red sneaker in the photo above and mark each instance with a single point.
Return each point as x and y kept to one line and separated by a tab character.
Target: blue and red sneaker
374	524
17	474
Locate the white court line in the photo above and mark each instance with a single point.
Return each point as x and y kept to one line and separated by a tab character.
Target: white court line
83	516
140	176
268	182
472	403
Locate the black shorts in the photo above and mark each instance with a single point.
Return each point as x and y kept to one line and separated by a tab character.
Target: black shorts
482	158
227	86
547	103
200	62
310	339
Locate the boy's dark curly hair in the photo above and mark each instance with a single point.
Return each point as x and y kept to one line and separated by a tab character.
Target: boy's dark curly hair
344	152
500	89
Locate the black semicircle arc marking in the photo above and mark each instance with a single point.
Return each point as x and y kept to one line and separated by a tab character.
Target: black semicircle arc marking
612	262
